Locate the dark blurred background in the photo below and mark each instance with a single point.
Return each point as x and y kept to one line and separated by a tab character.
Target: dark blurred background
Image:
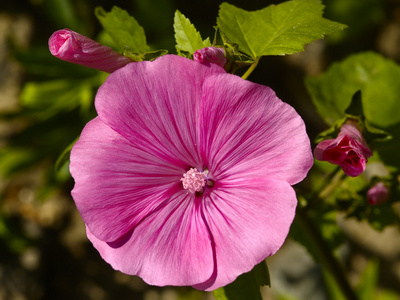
44	253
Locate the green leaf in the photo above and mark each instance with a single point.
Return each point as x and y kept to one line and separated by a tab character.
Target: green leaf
277	29
188	39
123	29
246	286
377	77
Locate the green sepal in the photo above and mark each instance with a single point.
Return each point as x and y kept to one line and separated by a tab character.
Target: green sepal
373	134
152	55
236	59
246	286
331	132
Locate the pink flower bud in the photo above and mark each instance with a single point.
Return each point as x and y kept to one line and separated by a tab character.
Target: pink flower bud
378	194
349	150
210	55
78	49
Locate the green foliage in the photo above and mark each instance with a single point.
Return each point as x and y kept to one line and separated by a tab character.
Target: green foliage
332	287
303	231
277	29
123	29
355	113
246	286
377	78
14	159
188	39
62	13
368	282
51	97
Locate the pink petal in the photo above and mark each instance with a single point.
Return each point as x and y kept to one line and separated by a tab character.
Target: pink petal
73	47
246	129
169	247
116	185
321	147
144	105
247	219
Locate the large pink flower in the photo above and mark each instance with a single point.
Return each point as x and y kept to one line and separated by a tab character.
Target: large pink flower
349	150
73	47
185	176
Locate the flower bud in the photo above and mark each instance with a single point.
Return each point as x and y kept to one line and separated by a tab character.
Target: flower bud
378	194
210	55
78	49
349	150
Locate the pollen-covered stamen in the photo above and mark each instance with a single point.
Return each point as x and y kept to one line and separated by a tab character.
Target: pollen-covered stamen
194	181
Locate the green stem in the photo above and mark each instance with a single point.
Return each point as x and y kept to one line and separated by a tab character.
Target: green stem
251	69
330	183
323	253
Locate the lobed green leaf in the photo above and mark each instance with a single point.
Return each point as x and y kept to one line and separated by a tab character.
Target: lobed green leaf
277	29
377	77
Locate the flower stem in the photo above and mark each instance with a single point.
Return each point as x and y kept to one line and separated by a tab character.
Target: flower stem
323	253
330	183
251	68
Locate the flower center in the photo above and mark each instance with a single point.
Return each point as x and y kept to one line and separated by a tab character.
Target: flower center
194	181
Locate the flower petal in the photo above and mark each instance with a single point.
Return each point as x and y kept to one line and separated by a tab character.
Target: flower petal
248	219
116	185
248	129
170	247
143	104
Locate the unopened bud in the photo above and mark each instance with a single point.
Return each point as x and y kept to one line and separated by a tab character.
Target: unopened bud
78	49
213	55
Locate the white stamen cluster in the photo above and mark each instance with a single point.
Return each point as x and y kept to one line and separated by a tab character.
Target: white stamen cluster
194	181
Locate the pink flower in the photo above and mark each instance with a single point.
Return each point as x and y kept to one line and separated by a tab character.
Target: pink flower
78	49
185	176
378	194
210	55
349	150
